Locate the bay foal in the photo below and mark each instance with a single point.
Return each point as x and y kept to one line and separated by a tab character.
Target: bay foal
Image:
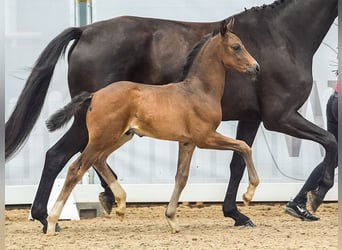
188	112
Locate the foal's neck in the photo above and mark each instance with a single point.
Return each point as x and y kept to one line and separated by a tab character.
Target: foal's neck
207	72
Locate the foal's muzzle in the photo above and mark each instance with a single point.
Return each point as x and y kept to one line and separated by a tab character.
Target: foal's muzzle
253	69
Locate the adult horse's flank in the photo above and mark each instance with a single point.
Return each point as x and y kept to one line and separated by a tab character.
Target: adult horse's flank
282	36
188	112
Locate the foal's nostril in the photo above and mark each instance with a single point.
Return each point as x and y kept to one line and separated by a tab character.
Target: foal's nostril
257	68
253	69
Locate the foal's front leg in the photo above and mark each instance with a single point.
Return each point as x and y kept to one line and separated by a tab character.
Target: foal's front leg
218	141
184	158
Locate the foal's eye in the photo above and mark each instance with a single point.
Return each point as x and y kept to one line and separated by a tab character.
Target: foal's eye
236	46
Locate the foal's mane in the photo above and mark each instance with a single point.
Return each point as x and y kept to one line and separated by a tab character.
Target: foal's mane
264	6
194	52
197	47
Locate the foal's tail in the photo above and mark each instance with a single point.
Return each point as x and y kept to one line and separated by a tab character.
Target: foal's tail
31	100
62	116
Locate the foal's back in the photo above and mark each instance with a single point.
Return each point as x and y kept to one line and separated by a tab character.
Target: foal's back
166	112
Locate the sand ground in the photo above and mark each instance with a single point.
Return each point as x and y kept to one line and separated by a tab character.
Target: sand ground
145	227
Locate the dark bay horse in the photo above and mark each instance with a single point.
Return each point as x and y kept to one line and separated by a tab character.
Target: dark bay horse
188	112
282	36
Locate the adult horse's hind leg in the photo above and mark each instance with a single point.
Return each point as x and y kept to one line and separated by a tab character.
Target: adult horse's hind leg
246	131
296	125
56	158
185	152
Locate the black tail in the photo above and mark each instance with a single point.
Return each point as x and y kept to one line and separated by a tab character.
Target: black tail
62	116
31	99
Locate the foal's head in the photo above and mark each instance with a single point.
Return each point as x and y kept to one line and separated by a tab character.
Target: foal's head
234	54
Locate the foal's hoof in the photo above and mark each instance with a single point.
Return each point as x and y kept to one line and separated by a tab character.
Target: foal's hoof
57	228
314	200
173	224
106	202
247	223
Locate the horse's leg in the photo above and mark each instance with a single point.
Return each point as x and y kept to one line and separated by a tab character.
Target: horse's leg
74	175
246	131
111	180
106	198
185	152
317	185
108	176
215	140
56	158
92	154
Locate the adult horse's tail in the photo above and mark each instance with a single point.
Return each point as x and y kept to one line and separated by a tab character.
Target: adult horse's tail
31	99
62	116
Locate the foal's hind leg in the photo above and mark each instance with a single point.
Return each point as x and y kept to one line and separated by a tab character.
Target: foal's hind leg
118	191
106	198
218	141
74	175
184	158
106	173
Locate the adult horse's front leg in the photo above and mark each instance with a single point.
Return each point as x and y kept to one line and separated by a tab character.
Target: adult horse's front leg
185	153
246	131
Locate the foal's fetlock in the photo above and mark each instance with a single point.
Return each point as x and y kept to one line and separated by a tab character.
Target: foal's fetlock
121	211
52	229
246	199
248	196
120	214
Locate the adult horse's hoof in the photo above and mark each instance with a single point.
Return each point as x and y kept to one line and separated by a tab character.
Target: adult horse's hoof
239	218
247	223
106	202
314	200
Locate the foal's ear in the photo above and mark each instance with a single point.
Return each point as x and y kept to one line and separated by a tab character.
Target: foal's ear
226	26
230	24
223	27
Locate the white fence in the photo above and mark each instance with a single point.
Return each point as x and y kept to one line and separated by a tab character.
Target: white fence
147	167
